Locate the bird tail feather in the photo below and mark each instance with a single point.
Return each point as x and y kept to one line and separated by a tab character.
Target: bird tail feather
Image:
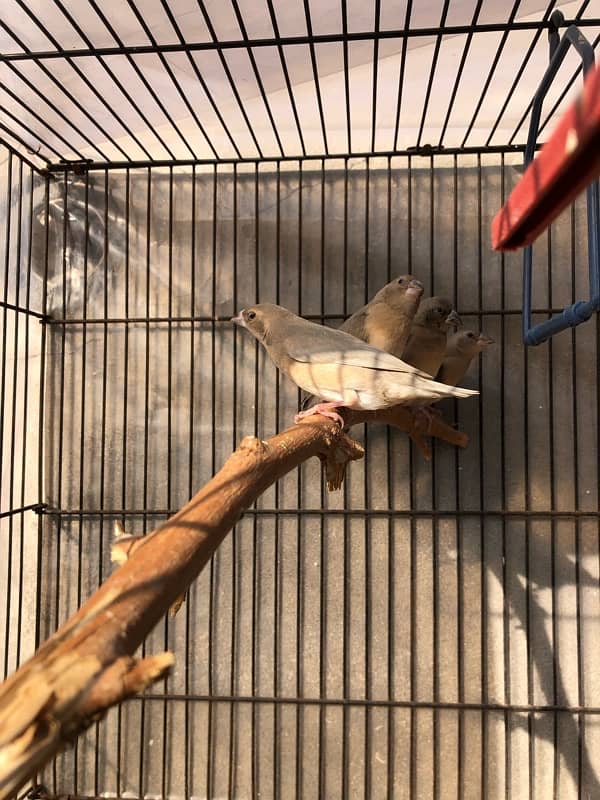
456	391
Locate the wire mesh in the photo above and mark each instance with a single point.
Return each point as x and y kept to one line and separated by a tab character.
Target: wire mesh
21	403
427	632
431	630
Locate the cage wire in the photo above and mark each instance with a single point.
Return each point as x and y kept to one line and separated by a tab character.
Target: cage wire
431	630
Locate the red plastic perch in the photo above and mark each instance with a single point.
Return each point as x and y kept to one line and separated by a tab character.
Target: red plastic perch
565	165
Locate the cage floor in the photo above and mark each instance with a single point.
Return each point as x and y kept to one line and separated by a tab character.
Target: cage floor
429	631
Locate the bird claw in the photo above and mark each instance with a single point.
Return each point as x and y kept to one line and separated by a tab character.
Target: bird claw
424	417
324	409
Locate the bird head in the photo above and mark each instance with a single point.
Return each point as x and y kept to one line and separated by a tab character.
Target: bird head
484	341
437	312
412	287
395	292
468	343
259	319
255	320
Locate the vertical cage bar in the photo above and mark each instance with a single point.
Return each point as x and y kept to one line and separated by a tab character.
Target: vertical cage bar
581	740
148	209
413	552
300	615
124	484
42	410
255	539
506	611
391	550
234	533
14	416
323	767
80	520
435	560
3	391
187	777
24	441
277	566
170	465
482	532
528	589
553	555
367	525
347	545
210	744
460	631
8	225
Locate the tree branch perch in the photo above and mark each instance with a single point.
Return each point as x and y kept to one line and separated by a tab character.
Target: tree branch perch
88	665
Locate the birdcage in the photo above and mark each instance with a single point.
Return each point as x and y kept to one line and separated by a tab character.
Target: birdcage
432	629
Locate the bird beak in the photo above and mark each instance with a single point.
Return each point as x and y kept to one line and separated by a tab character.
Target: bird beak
484	341
415	288
454	319
239	320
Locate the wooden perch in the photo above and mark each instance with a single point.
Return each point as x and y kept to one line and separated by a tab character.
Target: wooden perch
88	665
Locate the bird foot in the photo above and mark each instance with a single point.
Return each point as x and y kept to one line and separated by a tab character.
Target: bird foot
424	417
324	409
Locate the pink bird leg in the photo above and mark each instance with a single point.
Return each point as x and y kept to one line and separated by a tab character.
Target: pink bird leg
325	409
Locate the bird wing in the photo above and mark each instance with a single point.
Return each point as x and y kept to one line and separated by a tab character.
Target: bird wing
320	345
355	325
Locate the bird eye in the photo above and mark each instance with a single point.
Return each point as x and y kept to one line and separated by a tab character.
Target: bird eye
252	315
471	335
401	281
